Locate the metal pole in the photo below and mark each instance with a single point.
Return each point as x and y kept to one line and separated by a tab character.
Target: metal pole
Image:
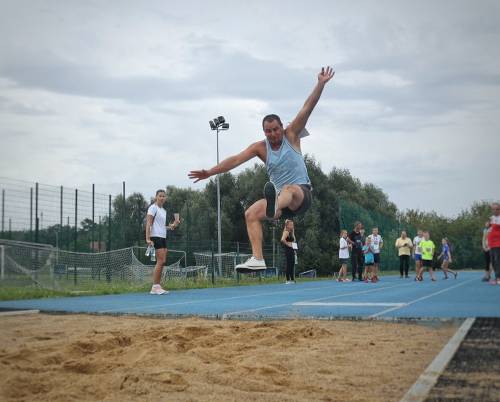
93	220
219	236
274	244
60	217
36	212
31	213
2	262
109	224
3	210
123	217
76	218
213	265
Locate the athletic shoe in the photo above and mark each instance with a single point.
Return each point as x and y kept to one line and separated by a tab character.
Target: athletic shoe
375	279
340	280
252	264
271	196
434	279
158	290
493	282
456	274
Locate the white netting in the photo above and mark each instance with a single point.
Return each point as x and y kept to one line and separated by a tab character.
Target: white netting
28	263
223	264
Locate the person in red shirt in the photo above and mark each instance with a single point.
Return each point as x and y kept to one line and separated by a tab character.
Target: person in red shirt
494	241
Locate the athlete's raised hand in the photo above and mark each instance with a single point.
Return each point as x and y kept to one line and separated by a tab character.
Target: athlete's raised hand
326	74
198	175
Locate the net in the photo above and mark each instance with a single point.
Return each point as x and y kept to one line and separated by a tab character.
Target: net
23	264
221	264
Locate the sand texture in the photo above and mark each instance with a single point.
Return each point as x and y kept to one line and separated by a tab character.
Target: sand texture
106	358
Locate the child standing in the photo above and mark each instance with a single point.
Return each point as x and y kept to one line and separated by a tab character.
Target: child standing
368	252
446	256
343	256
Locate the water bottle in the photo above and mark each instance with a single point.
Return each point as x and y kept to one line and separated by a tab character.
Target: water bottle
153	254
296	259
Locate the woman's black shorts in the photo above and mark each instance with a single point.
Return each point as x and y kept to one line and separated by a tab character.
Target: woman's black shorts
159	242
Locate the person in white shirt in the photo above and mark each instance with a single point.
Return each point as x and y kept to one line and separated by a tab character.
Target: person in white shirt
343	256
156	236
417	252
376	243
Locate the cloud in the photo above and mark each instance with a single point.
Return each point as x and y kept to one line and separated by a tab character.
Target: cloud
92	92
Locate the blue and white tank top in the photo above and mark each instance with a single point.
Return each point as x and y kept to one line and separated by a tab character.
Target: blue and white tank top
286	165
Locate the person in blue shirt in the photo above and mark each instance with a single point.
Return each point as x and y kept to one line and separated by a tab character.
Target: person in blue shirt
446	258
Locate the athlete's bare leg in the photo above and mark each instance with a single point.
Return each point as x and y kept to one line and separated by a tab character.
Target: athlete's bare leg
291	196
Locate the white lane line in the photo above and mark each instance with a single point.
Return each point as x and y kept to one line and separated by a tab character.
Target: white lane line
349	304
421	298
420	390
227	315
251	296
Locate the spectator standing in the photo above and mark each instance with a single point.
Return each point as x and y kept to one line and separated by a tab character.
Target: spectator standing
289	244
417	253
355	239
343	256
486	252
494	241
377	244
404	247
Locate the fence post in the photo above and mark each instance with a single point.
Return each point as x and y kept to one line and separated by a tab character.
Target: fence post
61	218
122	225
237	262
213	262
2	262
93	219
76	219
36	212
3	210
109	224
31	213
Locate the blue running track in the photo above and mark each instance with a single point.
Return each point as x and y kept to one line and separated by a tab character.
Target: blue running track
390	298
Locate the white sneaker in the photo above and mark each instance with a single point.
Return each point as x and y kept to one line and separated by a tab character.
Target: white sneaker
252	264
158	290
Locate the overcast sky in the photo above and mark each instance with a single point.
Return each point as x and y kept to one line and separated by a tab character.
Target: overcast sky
105	92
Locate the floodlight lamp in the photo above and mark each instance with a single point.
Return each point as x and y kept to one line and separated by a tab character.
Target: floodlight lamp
216	121
225	126
212	125
221	119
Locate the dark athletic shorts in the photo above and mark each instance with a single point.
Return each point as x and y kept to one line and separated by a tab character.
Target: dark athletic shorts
427	263
287	213
344	260
376	258
159	242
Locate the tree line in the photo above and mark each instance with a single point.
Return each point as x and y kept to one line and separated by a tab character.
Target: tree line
339	199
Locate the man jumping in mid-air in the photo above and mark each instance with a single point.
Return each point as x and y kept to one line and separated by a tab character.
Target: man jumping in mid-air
289	191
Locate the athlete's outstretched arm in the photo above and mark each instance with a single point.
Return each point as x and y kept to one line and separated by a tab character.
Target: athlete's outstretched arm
227	164
299	123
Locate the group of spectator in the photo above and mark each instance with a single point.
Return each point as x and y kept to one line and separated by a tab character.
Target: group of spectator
364	252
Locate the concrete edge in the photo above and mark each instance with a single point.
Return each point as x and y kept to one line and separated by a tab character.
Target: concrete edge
420	390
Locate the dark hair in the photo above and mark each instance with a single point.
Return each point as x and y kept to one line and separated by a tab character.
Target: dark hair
160	191
270	118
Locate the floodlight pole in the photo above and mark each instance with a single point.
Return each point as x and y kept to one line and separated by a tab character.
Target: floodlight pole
219	235
219	124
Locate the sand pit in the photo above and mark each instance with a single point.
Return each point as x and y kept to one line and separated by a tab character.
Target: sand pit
99	358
